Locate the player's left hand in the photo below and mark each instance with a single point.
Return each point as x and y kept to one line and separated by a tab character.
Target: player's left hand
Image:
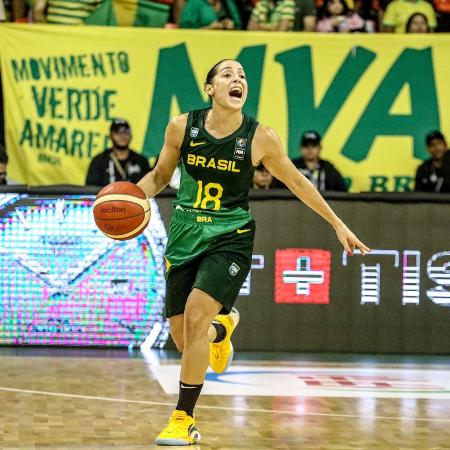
349	241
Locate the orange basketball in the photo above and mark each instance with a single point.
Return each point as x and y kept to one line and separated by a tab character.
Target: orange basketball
121	210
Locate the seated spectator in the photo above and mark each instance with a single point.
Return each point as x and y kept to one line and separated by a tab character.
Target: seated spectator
417	23
15	10
175	13
337	17
442	8
118	163
262	178
211	14
305	15
2	11
63	12
272	15
434	174
369	10
20	10
399	11
322	174
245	9
3	165
130	13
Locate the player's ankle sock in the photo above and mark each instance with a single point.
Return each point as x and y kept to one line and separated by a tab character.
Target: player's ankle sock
188	397
220	331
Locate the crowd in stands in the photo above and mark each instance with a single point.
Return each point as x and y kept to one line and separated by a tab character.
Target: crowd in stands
327	16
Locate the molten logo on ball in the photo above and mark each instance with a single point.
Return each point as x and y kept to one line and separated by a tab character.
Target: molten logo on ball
113	210
121	210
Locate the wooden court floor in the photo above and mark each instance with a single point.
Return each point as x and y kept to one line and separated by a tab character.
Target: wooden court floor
99	400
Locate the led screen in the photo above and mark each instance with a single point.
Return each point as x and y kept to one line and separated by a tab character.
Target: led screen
64	283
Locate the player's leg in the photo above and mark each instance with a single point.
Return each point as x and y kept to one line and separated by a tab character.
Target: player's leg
179	282
179	287
221	274
200	310
177	330
216	331
221	348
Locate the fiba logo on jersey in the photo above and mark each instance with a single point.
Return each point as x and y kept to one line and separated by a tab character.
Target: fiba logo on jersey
239	148
194	132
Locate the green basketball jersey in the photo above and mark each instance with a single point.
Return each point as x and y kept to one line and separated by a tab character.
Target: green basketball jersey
216	174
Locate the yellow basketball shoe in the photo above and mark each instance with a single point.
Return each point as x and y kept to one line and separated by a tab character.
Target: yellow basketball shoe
179	431
221	353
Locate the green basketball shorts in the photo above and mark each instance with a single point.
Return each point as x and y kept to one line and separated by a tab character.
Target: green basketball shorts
217	264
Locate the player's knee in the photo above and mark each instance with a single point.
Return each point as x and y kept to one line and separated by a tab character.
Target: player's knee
196	324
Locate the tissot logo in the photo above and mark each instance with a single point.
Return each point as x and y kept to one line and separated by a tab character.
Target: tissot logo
302	276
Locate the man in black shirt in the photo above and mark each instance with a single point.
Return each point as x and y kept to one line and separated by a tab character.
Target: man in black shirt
118	163
322	174
434	174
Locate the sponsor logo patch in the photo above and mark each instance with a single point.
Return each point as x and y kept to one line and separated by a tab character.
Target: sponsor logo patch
234	269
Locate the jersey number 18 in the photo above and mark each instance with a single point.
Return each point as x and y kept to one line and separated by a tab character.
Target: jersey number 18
204	195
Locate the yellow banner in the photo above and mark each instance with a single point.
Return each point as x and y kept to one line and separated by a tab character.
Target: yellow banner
372	97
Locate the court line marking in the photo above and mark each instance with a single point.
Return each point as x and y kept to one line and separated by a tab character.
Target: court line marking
222	408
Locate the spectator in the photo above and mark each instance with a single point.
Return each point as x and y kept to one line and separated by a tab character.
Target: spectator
118	163
245	9
211	14
399	11
2	11
175	13
369	10
262	178
63	12
442	8
434	174
417	23
305	15
3	165
272	15
337	17
320	172
20	10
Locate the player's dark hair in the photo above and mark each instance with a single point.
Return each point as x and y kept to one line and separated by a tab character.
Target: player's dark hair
213	71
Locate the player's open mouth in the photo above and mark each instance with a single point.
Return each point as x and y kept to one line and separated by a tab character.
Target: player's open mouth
236	93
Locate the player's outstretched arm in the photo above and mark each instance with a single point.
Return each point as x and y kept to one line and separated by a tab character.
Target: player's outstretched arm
156	180
267	147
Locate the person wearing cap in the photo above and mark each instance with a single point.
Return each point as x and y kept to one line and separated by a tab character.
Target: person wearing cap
118	163
322	174
433	175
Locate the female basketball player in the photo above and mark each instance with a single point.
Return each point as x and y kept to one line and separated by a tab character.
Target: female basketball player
210	244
